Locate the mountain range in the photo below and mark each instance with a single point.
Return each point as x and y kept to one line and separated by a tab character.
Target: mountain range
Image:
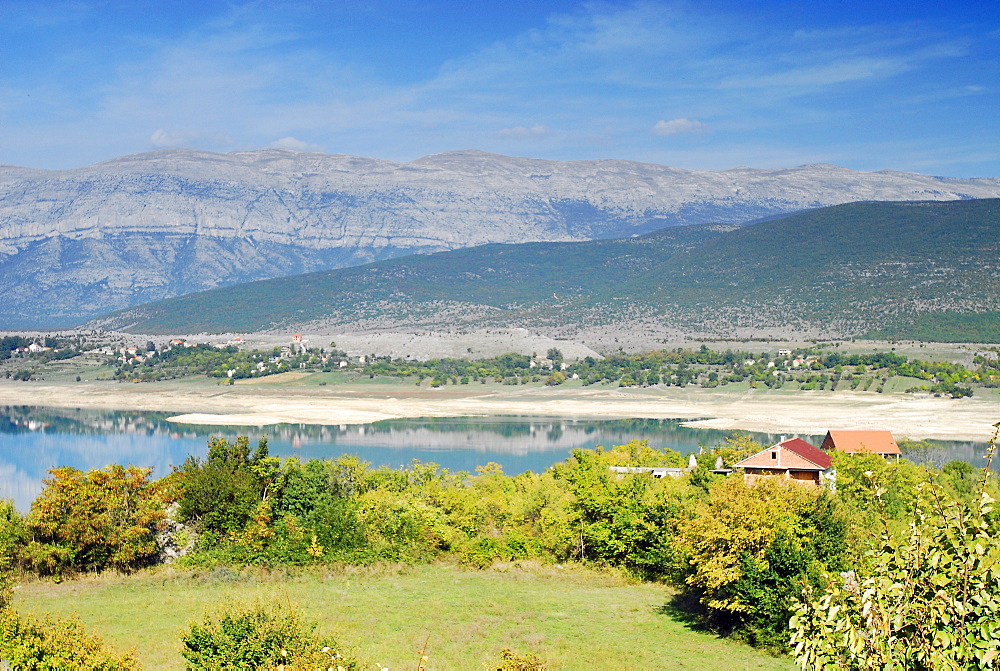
75	244
921	270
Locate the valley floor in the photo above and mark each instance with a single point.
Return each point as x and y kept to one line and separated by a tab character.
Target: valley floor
308	398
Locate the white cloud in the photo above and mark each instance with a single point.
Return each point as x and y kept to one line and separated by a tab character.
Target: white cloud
821	76
162	139
538	130
294	144
678	126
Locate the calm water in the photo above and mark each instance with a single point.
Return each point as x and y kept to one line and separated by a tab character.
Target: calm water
34	439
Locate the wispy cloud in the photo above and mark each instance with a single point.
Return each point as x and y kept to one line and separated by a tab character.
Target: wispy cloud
808	79
161	138
677	126
538	130
295	144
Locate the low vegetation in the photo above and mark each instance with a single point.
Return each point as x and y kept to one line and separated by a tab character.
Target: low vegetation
564	616
742	559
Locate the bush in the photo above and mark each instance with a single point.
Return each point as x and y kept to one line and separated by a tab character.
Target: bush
53	643
930	599
95	520
511	661
260	637
13	537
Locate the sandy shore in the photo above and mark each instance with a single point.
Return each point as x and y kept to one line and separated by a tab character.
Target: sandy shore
198	402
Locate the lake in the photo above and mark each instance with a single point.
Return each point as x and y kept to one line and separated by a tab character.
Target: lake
35	439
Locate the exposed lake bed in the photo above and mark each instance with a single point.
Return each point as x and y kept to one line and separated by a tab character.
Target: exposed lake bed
734	407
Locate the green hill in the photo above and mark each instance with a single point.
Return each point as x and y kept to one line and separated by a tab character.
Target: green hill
904	270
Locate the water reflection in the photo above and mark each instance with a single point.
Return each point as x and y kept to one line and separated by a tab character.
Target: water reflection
35	439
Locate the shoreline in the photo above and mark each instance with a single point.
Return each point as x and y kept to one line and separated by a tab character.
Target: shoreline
812	413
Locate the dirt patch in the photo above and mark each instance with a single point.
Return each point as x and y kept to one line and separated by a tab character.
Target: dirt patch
274	379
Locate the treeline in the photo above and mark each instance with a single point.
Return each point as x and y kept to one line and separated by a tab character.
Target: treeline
806	368
740	556
51	347
227	362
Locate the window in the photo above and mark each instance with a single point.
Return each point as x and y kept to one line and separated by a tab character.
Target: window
774	455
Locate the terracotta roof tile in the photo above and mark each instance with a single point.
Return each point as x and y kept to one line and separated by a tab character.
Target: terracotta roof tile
876	442
798	446
807	451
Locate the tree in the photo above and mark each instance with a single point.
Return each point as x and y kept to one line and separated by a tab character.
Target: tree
95	520
556	378
930	598
223	491
748	550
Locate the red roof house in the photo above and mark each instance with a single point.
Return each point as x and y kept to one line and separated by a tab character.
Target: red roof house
856	442
794	459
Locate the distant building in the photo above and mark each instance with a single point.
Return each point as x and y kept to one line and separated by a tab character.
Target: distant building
860	442
655	471
794	459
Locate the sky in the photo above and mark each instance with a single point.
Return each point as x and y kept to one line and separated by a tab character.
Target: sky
911	86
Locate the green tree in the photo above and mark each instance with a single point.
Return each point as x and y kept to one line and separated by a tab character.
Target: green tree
623	519
929	599
223	491
748	550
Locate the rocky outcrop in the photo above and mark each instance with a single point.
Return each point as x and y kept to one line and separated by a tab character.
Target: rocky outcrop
77	243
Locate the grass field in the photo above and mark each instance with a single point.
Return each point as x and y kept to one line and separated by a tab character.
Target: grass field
570	617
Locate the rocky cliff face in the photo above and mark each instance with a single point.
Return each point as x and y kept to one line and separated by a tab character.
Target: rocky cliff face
77	243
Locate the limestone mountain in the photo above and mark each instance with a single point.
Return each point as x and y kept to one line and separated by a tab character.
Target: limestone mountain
78	243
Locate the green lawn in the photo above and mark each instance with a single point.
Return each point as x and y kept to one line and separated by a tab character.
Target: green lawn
571	617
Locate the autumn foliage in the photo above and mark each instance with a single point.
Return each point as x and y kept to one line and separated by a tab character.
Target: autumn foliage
91	521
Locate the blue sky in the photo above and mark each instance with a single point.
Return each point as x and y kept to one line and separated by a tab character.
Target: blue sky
702	85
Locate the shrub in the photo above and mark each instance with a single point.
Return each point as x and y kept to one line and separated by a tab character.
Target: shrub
929	600
260	637
53	643
511	661
13	536
94	520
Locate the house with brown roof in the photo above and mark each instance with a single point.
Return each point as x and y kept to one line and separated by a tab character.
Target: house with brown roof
794	459
860	442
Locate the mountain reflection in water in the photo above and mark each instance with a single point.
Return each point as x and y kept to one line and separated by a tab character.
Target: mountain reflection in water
36	439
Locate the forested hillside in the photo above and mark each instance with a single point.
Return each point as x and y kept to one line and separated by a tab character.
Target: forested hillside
904	270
